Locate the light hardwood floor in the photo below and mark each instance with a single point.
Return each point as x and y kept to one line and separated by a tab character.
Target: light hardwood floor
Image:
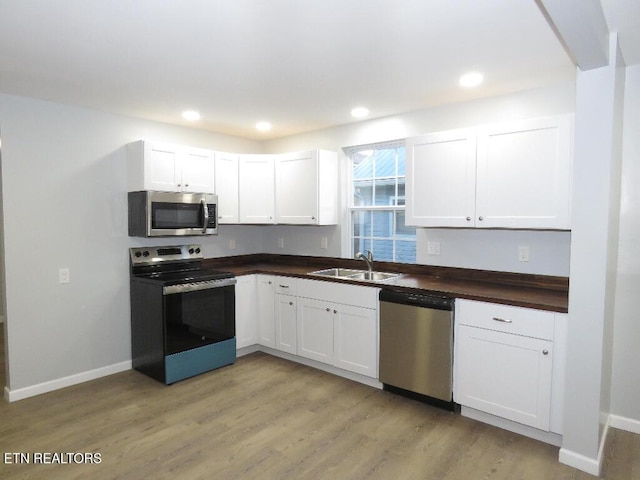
268	418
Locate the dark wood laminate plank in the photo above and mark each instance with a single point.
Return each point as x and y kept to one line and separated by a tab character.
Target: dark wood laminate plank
543	292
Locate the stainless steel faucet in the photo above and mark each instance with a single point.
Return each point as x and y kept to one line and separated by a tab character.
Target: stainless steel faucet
368	258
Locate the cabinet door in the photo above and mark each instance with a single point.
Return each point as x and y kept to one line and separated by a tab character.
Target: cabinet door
246	311
196	170
257	189
356	340
266	322
315	330
297	188
160	164
524	174
440	183
226	178
285	323
505	375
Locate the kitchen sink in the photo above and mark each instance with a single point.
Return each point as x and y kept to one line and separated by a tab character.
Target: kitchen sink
353	274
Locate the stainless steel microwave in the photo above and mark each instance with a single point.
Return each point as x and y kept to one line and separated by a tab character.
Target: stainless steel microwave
167	214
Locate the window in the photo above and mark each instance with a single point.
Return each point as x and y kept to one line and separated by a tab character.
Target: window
377	203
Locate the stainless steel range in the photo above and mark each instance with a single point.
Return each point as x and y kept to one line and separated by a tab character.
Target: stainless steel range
182	314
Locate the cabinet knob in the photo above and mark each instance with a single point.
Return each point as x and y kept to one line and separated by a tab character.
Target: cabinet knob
481	218
290	303
468	219
328	309
335	311
545	352
313	218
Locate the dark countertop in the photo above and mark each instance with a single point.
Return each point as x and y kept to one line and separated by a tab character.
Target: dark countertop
542	292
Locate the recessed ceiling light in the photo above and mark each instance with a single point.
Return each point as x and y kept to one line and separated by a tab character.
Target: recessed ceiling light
359	112
263	126
472	79
191	115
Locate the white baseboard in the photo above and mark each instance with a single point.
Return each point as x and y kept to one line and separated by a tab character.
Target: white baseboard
33	390
589	465
356	377
581	462
525	430
626	424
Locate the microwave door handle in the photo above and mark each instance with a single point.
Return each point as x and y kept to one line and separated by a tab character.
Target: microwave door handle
205	215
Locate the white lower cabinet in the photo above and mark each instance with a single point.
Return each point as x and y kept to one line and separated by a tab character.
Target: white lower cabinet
509	362
285	314
335	324
266	313
315	330
338	325
355	346
246	311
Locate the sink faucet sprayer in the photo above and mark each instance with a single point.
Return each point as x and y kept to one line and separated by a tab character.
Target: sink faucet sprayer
368	258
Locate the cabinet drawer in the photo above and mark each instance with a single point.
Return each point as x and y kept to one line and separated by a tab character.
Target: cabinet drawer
503	318
285	285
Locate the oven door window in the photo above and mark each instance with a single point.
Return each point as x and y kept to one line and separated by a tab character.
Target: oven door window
194	319
174	216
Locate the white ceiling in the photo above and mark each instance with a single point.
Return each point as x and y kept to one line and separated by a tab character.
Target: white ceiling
300	64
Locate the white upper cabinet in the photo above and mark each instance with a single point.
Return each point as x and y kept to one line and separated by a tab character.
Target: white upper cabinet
169	168
256	189
524	174
441	178
196	170
226	176
515	175
306	188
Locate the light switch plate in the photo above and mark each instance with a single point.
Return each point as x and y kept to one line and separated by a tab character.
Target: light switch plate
523	253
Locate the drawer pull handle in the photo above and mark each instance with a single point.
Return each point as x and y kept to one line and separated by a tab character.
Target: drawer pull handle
283	286
545	352
503	320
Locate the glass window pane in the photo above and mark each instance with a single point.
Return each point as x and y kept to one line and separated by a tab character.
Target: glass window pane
401	161
385	192
363	164
405	252
361	245
383	224
403	230
383	250
401	192
362	193
361	223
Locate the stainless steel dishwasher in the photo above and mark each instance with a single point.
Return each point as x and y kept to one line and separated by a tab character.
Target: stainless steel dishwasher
416	346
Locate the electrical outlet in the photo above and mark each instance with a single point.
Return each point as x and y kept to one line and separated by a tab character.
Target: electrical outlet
232	244
324	243
281	242
433	248
523	253
64	275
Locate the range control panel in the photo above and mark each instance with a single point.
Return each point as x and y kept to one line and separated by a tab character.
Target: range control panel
156	255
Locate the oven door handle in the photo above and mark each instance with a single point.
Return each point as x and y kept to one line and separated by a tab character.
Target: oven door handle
193	287
205	215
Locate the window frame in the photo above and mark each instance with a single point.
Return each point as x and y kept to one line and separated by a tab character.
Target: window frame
391	207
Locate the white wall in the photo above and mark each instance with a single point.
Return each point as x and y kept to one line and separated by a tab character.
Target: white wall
625	391
481	249
64	199
594	220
